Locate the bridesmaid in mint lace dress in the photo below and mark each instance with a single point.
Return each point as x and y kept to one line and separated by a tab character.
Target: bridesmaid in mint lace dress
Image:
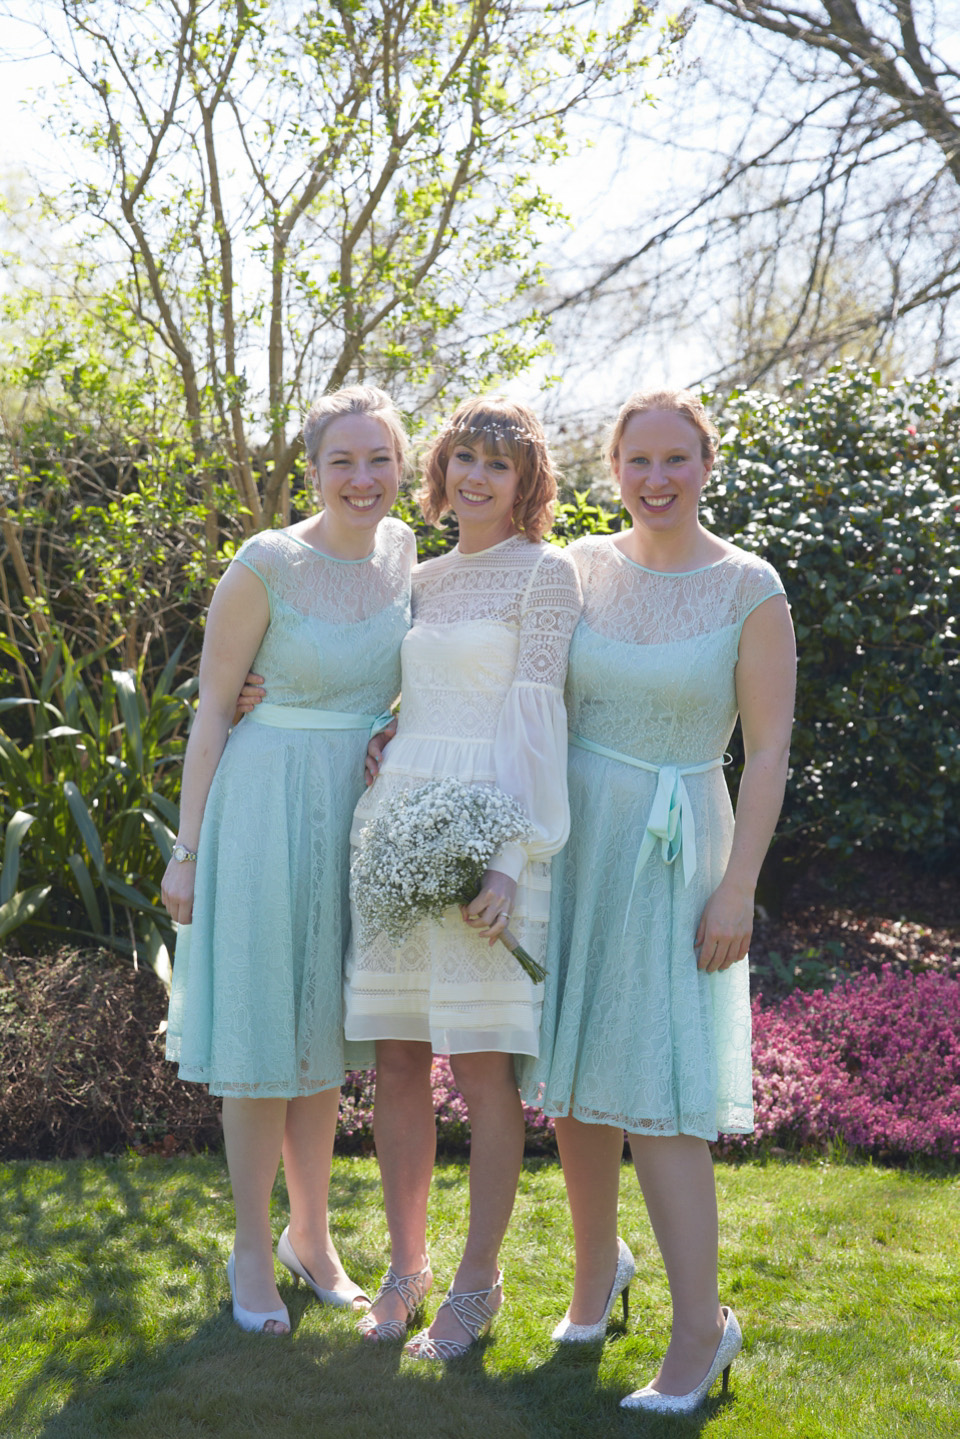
258	882
646	1019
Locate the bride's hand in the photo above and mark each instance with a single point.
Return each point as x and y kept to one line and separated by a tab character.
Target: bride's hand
250	696
375	751
489	913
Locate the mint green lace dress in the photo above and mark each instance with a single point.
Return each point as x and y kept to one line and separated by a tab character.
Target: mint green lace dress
633	1033
256	1005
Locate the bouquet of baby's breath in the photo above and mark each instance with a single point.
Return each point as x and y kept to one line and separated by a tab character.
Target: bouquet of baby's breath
427	849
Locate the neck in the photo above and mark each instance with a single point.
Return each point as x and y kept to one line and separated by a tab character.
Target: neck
474	538
670	551
339	541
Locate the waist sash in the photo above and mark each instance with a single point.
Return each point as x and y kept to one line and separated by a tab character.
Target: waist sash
670	821
295	717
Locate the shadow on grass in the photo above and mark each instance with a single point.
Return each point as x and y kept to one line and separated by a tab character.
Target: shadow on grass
113	1266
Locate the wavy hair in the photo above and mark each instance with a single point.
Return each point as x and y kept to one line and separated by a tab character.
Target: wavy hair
501	426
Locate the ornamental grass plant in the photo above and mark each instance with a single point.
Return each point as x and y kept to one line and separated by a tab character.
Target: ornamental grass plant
114	1315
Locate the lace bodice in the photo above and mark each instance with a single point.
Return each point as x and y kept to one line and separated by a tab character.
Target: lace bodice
483	670
329	644
653	660
516	584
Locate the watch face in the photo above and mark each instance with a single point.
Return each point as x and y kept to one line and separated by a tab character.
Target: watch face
180	853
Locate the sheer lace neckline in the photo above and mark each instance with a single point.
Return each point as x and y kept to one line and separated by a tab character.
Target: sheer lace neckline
325	554
670	574
472	554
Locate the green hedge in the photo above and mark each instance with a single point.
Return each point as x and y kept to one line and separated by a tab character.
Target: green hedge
851	488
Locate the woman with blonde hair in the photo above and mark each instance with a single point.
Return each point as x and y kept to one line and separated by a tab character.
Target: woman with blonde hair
258	880
646	1022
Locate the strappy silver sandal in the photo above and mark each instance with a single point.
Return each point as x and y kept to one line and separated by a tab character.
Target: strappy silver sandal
475	1312
413	1290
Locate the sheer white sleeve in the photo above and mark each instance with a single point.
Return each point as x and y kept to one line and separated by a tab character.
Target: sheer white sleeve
530	747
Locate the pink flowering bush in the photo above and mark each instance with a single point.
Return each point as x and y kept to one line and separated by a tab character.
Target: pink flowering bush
874	1063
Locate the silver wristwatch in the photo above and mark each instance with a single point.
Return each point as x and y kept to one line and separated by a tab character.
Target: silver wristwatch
181	854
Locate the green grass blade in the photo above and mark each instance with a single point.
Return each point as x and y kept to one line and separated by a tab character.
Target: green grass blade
128	699
87	893
161	834
133	898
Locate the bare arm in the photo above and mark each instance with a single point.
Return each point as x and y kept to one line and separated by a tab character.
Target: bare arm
766	683
236	623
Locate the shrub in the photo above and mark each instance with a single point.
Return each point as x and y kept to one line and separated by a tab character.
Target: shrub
851	489
89	778
874	1063
82	1065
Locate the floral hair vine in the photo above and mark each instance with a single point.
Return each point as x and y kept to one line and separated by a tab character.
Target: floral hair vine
507	430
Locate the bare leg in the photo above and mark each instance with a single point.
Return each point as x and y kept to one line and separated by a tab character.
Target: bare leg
591	1155
405	1132
489	1087
676	1176
308	1137
253	1133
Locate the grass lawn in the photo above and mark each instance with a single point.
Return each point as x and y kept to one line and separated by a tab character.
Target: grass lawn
114	1316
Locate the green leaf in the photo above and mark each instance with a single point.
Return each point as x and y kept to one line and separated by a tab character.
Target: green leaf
21	908
88	830
17	827
87	893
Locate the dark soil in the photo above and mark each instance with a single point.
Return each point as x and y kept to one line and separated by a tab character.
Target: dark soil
81	1044
835	922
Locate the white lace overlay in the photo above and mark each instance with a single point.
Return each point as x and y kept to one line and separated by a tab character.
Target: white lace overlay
482	674
256	1004
633	1034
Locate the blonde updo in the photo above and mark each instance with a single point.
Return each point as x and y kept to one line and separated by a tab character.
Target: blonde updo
681	402
354	400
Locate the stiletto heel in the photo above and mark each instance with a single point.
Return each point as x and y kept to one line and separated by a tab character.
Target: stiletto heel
567	1333
288	1258
413	1290
248	1319
729	1347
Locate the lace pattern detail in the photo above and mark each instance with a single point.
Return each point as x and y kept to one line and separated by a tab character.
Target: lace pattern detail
255	1007
483	667
634	1034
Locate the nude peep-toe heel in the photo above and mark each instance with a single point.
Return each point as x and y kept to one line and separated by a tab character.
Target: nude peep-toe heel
247	1318
288	1258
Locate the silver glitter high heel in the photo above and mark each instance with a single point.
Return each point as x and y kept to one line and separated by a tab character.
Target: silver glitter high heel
568	1333
288	1258
727	1350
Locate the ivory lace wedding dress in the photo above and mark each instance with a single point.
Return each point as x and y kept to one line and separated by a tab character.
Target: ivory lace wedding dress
256	1005
482	700
634	1034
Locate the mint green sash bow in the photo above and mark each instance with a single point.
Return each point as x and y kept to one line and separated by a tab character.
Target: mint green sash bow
670	821
295	717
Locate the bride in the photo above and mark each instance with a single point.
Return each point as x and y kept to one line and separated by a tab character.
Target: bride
483	669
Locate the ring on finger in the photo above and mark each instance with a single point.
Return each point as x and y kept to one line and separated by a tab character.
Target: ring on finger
503	915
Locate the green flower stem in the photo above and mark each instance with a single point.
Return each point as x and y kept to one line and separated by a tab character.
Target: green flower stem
526	961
